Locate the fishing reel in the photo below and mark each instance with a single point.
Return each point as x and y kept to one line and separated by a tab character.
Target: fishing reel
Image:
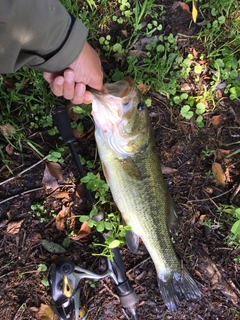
64	278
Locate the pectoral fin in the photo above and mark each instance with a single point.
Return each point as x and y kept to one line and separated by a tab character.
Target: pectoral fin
130	167
132	241
172	221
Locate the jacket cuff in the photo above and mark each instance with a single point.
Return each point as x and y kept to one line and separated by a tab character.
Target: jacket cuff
67	54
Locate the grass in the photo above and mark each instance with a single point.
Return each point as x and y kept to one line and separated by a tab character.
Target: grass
115	30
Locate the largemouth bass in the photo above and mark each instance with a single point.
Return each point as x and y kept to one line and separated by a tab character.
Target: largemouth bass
131	167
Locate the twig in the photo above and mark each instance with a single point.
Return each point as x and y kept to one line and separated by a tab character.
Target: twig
21	194
19	174
111	292
210	199
7	274
138	265
235	193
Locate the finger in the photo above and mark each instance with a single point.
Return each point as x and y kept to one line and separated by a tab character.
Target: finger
97	82
57	86
49	76
87	97
79	93
68	88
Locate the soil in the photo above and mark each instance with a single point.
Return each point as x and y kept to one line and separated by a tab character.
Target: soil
197	195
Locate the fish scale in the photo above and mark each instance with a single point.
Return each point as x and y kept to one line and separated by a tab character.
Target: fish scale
131	167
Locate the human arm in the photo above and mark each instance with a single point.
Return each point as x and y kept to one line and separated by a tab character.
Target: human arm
43	36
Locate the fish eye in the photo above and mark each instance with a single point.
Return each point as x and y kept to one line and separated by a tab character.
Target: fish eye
140	106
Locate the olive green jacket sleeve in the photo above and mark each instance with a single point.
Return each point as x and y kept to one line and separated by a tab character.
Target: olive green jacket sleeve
40	34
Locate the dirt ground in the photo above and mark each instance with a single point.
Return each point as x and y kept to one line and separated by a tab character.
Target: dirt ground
196	194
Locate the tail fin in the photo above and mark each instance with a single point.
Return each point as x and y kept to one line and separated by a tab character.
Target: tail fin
176	287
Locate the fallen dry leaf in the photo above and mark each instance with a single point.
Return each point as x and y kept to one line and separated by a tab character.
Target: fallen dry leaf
197	273
61	218
49	182
137	53
186	87
218	94
195	216
45	312
9	149
120	55
168	170
125	33
81	191
219	173
84	231
7	129
210	270
194	52
202	217
209	190
216	120
14	227
220	154
194	11
184	6
55	170
60	195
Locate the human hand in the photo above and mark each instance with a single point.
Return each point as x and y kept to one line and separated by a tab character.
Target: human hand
72	82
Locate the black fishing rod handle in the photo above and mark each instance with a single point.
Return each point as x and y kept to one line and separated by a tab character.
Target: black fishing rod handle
63	124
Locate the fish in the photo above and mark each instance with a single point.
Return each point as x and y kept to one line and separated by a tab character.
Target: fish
131	166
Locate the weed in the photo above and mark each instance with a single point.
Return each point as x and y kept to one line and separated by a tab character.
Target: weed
110	223
42	268
92	283
56	155
207	153
232	216
38	211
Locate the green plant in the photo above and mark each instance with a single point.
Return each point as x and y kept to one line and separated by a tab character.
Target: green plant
233	220
41	268
114	239
207	153
109	223
38	211
99	186
56	155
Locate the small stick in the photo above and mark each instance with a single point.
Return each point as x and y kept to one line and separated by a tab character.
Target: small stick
138	265
22	172
235	193
206	199
20	194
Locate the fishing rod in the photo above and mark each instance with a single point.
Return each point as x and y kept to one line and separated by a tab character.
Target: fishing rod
64	276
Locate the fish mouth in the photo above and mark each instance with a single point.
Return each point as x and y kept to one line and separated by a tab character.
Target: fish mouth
109	110
120	89
116	98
